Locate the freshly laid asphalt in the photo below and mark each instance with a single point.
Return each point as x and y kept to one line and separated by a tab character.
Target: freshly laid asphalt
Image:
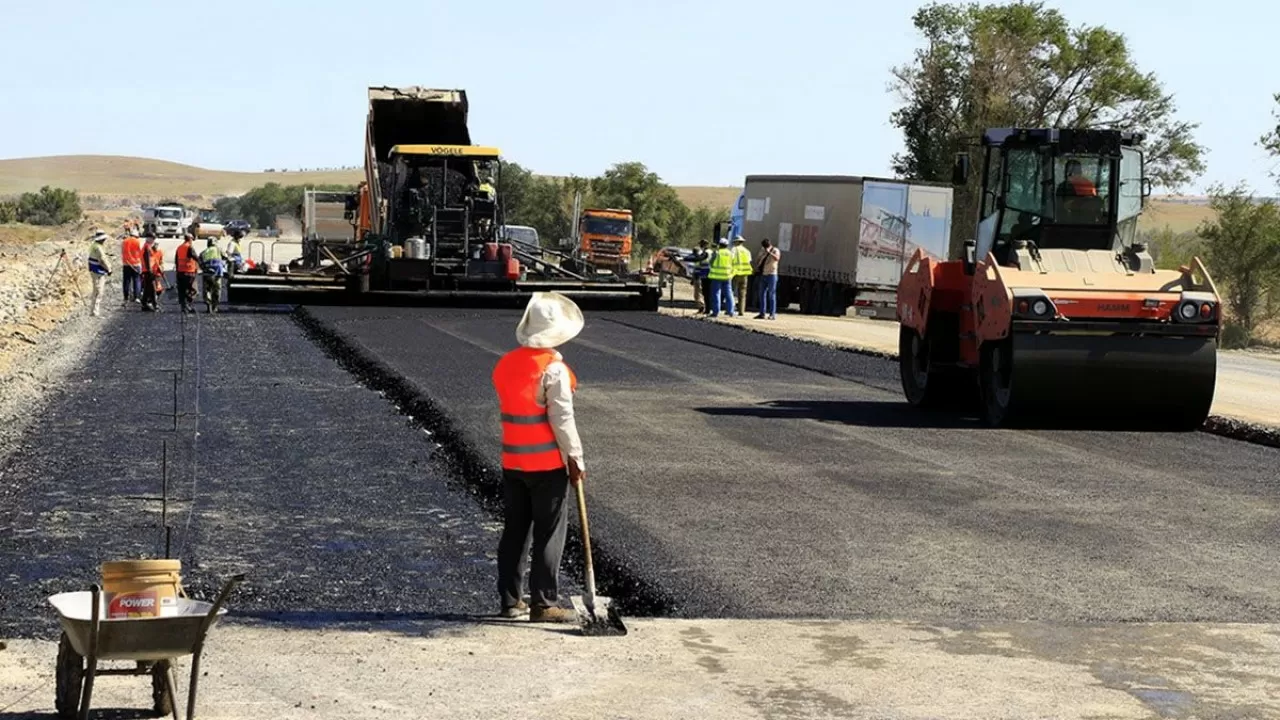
730	474
742	475
331	501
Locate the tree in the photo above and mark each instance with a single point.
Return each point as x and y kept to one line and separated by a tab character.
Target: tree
50	206
1244	252
1021	64
8	211
1271	141
656	207
513	189
262	204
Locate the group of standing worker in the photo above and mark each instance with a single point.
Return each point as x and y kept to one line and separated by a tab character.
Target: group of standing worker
142	269
721	277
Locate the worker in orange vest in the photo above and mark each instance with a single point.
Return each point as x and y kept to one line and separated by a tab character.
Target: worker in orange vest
1076	183
541	456
152	274
186	265
131	263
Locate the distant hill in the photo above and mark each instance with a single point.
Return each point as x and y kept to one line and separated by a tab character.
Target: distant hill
130	176
116	175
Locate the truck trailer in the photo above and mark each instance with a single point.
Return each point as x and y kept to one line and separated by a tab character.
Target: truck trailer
427	219
844	239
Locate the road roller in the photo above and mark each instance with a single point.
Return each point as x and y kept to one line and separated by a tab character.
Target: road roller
1055	312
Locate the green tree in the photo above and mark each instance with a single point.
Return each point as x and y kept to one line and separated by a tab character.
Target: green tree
701	224
262	204
1244	253
657	209
1022	64
50	206
513	191
8	211
1172	250
1271	140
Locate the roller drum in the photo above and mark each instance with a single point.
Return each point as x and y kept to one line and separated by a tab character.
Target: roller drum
1138	381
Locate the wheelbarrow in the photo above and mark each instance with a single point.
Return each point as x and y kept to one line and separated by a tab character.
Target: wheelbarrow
152	643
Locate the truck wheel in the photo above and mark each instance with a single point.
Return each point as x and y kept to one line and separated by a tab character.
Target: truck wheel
832	294
996	382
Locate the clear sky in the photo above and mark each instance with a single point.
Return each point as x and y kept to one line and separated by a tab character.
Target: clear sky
702	91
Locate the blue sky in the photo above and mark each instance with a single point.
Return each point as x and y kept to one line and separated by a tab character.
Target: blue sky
702	91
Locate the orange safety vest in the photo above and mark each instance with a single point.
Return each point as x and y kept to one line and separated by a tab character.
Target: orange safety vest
157	261
528	442
131	251
1083	186
185	261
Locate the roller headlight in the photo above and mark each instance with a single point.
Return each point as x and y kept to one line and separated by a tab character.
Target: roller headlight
1188	311
1040	307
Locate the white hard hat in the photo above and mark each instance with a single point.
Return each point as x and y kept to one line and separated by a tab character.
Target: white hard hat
550	320
739	239
724	242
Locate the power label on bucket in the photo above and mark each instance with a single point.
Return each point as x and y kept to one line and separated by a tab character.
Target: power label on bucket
134	605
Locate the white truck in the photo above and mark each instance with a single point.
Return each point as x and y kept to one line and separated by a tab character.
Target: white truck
166	220
844	239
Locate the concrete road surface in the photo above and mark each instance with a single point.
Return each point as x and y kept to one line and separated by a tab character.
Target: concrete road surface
714	669
1248	385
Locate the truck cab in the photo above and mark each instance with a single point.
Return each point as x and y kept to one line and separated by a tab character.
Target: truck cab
165	220
605	236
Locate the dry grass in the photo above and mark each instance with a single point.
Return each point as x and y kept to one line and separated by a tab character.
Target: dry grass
1179	217
19	234
712	197
113	175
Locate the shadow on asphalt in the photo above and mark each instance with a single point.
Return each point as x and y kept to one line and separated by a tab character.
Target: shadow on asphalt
866	413
418	624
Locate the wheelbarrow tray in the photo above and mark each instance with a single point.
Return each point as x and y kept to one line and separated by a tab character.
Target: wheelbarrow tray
156	638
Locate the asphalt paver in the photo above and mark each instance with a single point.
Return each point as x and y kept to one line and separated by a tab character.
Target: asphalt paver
283	467
743	475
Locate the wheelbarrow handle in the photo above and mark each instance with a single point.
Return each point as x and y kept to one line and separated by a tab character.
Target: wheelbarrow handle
221	600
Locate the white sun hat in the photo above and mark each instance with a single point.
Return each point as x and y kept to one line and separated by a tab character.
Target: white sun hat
550	320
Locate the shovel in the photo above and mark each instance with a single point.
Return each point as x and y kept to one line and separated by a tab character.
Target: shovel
596	613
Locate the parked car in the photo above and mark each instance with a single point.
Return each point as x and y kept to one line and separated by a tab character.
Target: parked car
238	228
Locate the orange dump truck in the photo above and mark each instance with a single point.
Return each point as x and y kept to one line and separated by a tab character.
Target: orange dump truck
605	236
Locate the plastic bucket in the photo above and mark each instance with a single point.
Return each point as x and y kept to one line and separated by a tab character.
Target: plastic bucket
141	588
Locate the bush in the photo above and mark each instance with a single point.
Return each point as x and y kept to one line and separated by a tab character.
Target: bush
8	211
50	206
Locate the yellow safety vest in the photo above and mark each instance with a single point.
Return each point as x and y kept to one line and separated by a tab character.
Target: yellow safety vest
721	265
741	261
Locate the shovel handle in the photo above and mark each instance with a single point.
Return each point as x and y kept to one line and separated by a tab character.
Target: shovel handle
590	590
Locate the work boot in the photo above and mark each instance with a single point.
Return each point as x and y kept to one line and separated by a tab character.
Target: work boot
519	610
759	317
552	615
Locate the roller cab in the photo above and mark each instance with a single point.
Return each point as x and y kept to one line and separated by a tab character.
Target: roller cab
1055	311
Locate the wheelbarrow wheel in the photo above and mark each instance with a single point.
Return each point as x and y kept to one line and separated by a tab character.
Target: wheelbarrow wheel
70	679
161	698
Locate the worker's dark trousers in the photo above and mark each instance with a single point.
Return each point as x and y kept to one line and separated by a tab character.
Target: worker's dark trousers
534	510
131	283
186	289
148	291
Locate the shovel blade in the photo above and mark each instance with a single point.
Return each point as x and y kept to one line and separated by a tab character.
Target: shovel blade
598	618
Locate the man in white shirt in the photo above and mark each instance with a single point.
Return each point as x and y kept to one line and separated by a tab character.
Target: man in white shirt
541	456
